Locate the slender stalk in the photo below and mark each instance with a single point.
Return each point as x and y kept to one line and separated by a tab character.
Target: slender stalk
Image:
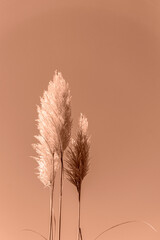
51	215
61	193
51	207
124	223
79	214
30	230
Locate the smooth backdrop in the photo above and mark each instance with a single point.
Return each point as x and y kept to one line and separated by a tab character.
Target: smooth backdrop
109	53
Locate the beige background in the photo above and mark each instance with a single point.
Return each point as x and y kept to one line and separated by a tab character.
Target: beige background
109	52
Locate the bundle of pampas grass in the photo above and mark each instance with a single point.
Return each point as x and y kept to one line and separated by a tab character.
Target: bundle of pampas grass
77	161
54	124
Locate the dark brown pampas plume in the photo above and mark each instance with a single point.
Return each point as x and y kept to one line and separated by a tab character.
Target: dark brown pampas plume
77	161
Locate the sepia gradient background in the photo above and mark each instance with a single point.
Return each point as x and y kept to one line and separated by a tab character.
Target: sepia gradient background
109	52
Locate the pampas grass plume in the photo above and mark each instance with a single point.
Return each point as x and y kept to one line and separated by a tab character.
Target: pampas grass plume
77	156
54	125
77	163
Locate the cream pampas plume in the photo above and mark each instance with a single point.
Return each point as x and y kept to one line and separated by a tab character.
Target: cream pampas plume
77	160
54	125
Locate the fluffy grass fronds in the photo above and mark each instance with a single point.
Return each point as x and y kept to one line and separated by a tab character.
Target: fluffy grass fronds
57	103
54	125
77	155
48	165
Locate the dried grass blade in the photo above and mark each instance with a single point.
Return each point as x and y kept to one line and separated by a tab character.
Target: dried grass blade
30	230
123	223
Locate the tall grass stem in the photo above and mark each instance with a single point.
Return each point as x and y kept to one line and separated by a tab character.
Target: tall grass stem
79	214
51	214
61	195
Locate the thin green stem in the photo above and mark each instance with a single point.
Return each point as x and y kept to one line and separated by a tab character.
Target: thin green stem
61	193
